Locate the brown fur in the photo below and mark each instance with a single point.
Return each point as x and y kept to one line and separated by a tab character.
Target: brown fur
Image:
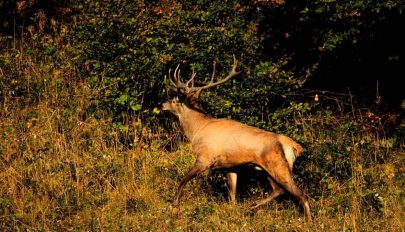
223	143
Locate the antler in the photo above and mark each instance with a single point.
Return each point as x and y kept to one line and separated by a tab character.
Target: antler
176	82
231	74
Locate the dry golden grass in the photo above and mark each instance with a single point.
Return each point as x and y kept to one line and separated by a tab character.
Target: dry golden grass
62	169
59	172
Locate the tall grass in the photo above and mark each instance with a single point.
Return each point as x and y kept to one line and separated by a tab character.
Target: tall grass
62	168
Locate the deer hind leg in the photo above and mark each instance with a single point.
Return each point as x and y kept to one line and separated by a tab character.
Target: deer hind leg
289	184
276	164
283	176
231	183
277	191
198	168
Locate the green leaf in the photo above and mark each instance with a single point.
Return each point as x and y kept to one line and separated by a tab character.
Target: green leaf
136	107
122	99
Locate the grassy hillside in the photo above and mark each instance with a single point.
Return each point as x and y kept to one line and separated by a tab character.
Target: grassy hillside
60	172
62	168
67	164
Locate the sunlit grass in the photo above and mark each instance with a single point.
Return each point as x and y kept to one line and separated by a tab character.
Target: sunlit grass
75	178
62	168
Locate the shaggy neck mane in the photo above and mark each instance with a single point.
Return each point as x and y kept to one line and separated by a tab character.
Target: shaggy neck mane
194	105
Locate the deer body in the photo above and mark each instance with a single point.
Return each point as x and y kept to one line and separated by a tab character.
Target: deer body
224	143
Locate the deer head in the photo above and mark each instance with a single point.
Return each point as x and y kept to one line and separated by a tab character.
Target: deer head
186	92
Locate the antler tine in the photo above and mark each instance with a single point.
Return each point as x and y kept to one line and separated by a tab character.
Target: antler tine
165	80
165	84
176	76
170	79
214	65
231	74
191	80
169	86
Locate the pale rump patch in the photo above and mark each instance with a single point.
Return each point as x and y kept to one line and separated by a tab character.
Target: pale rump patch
289	155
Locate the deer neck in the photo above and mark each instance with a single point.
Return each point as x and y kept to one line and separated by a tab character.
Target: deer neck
192	121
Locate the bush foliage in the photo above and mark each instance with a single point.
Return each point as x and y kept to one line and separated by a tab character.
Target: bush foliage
84	146
127	47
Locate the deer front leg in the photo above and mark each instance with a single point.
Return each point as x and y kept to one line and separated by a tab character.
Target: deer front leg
231	182
198	168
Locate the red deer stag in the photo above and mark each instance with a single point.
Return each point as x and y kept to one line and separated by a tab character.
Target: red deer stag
224	143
